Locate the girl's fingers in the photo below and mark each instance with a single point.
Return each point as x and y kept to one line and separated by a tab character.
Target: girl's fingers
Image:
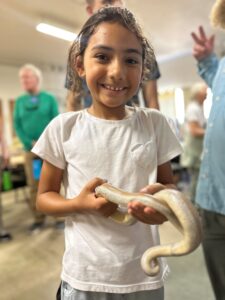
145	214
109	210
152	189
93	183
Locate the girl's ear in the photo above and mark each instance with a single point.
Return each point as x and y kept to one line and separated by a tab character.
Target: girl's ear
79	66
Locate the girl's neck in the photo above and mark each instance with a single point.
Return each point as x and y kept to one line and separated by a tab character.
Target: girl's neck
109	113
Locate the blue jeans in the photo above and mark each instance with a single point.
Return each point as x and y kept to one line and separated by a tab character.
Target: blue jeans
69	293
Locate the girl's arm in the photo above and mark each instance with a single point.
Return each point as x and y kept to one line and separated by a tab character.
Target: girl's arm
49	200
146	214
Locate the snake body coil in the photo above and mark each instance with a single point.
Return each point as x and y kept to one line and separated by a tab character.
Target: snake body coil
174	206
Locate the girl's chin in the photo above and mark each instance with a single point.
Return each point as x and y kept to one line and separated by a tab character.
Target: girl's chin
114	102
114	105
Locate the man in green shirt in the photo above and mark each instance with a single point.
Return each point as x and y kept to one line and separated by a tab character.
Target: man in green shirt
33	111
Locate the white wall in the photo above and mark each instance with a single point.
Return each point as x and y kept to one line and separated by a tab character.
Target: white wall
178	72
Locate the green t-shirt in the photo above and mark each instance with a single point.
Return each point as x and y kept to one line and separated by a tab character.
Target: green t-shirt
32	114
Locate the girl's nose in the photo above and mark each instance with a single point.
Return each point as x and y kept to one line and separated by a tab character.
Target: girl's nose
116	70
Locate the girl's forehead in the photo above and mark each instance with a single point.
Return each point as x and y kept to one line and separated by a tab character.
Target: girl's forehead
114	33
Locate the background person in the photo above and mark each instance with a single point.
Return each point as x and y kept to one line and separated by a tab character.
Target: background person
33	111
194	131
211	183
76	101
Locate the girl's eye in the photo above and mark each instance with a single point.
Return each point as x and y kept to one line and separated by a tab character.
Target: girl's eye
132	61
101	57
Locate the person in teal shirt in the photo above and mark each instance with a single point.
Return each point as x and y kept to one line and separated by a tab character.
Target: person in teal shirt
32	113
210	194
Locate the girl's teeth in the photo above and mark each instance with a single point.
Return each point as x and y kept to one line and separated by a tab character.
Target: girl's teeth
113	88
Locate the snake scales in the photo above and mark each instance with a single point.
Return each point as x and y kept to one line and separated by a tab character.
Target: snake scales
174	206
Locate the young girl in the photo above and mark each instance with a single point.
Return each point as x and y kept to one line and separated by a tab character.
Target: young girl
130	147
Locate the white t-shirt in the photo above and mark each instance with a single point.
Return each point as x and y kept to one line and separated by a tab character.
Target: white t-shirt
195	113
101	255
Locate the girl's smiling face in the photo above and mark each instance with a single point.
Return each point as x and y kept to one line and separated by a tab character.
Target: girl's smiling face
112	65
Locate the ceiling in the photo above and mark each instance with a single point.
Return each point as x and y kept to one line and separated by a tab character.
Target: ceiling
167	24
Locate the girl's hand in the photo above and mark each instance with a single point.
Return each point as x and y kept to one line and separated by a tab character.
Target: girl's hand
144	213
87	200
153	188
204	45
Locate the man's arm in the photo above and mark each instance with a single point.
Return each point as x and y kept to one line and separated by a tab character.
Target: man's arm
195	129
149	88
150	94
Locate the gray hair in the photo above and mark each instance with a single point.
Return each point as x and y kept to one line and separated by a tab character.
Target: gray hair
196	88
37	72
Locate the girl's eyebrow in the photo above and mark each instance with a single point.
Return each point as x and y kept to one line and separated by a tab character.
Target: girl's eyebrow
129	50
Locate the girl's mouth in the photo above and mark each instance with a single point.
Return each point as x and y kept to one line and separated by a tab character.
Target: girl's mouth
113	88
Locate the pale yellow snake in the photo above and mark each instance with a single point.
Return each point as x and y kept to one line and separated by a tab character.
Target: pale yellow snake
174	206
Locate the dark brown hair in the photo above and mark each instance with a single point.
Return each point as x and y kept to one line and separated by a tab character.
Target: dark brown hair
104	2
113	15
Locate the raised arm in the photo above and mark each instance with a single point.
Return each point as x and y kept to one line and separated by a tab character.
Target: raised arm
203	45
203	51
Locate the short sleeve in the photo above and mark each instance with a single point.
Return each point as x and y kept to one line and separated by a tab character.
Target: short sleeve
168	145
50	144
